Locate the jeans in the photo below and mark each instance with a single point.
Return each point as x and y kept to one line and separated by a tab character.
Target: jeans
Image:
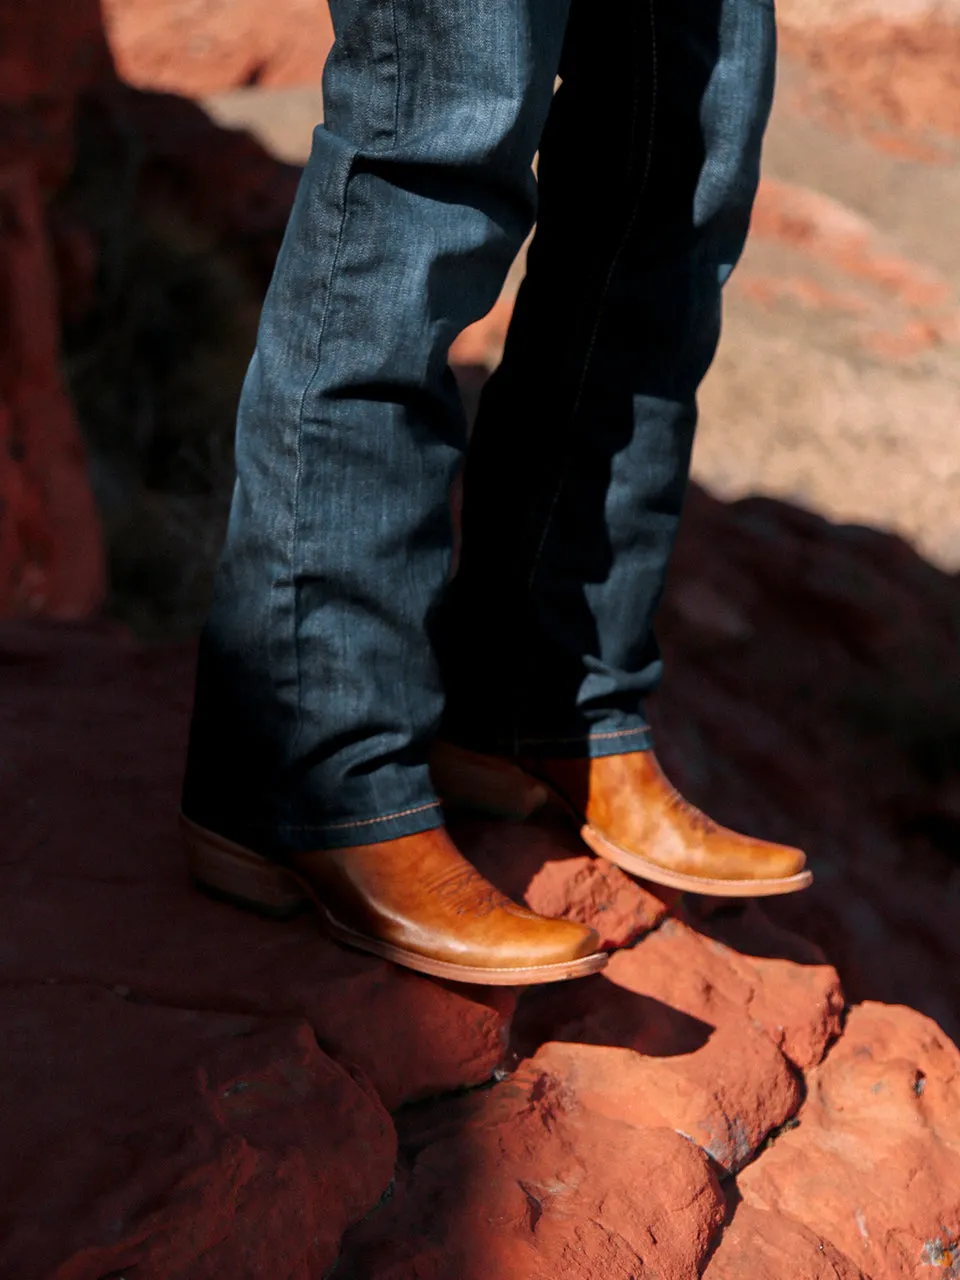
335	649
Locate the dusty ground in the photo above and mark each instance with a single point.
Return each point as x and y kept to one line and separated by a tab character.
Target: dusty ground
837	385
832	388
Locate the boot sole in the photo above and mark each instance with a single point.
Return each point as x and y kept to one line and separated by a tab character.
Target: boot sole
245	879
637	865
517	795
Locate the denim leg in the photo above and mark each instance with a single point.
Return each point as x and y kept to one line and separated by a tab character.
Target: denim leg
577	468
318	691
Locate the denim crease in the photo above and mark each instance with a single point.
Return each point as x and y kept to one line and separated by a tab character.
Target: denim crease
335	649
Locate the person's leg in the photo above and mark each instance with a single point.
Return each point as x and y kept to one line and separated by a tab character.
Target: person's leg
576	473
317	689
578	464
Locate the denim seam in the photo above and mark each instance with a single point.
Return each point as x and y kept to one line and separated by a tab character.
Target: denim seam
396	67
511	743
589	737
361	822
588	357
292	552
334	264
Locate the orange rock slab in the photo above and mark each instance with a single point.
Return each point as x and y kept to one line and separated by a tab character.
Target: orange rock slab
874	1163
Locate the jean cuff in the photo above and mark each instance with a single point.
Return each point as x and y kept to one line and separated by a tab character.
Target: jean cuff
585	745
274	841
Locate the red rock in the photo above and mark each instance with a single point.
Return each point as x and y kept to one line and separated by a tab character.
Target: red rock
514	1183
178	1144
706	979
593	891
768	1245
47	57
874	1164
194	49
51	554
795	994
890	75
726	1096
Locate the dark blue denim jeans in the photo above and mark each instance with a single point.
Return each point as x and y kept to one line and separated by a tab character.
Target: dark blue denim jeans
335	648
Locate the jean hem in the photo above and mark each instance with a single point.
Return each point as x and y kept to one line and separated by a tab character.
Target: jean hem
274	840
590	745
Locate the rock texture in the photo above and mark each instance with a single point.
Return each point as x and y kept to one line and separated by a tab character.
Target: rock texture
522	1182
758	1243
176	1143
878	1129
195	48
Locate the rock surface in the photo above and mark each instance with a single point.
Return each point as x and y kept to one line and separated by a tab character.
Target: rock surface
757	1243
190	48
878	1129
520	1182
176	1143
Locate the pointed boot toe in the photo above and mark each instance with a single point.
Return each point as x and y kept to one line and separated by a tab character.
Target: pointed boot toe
629	813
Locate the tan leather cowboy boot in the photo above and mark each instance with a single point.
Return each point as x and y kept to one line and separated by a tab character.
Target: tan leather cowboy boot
629	813
414	900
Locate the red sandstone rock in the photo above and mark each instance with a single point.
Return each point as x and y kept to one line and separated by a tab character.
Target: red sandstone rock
515	1183
51	557
176	1144
874	1164
773	1247
795	995
597	893
894	81
706	979
194	48
46	59
726	1096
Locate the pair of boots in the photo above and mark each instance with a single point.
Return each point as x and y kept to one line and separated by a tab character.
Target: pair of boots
418	902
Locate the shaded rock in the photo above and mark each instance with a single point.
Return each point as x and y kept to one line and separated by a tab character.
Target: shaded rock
51	555
768	1245
176	1144
514	1183
835	728
47	57
595	892
104	897
874	1164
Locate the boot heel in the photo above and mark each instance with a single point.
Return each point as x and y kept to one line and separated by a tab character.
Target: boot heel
467	780
239	876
